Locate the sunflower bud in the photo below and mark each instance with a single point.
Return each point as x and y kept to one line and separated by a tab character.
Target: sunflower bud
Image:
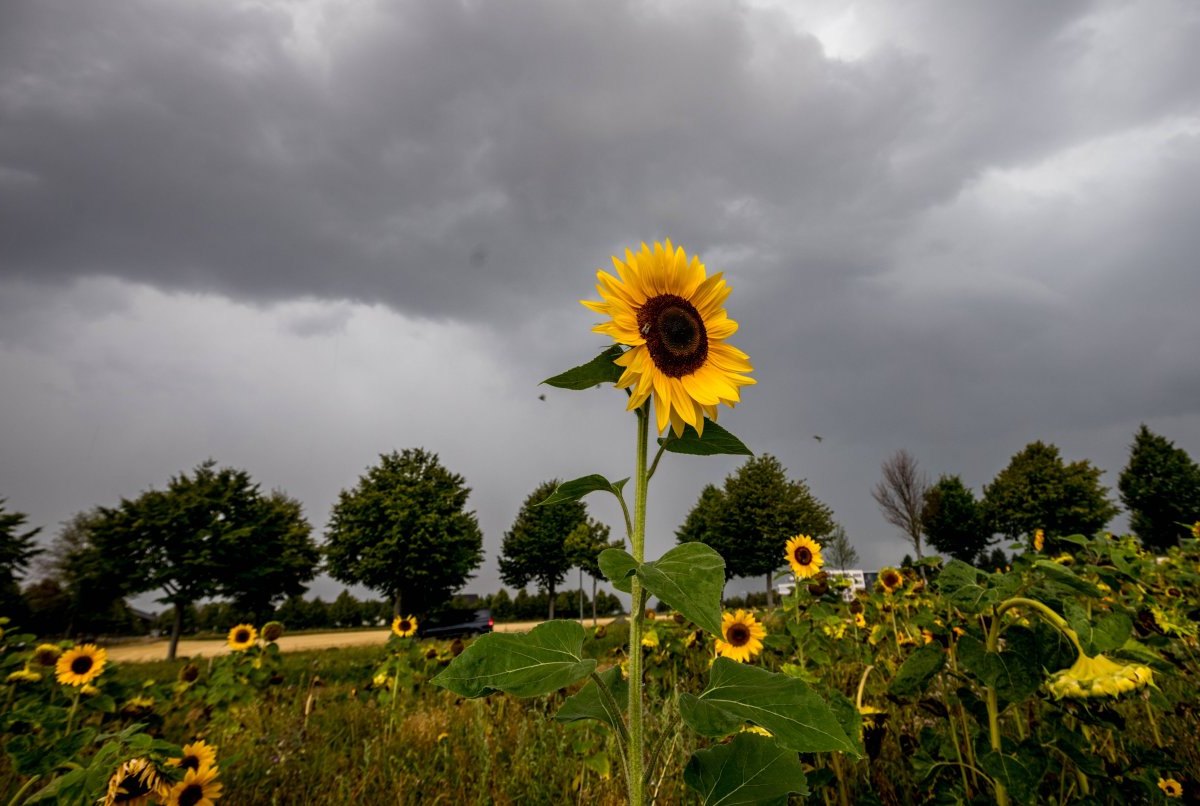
272	630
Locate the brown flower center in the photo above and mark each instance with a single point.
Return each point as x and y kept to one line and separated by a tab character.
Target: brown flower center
191	795
82	664
674	333
405	625
190	762
803	555
241	637
738	634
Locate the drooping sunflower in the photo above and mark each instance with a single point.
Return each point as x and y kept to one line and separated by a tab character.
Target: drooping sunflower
199	755
804	555
80	665
25	675
742	634
891	580
1039	539
1170	787
198	788
404	626
134	783
668	311
272	630
47	654
242	637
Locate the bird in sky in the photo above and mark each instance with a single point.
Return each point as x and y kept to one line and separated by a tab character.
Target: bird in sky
817	438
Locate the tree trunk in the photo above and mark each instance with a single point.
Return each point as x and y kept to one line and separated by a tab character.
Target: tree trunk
593	601
770	589
581	596
396	605
176	629
551	603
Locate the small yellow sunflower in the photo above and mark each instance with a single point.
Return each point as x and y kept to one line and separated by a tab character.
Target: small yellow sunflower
804	555
242	637
650	639
134	784
47	654
1039	539
199	755
891	580
860	620
1170	787
404	626
80	665
669	312
742	636
198	788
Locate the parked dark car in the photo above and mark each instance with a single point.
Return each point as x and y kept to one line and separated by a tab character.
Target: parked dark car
451	623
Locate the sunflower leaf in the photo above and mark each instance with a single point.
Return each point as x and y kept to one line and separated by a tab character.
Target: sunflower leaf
618	567
715	440
575	489
918	669
588	703
545	659
786	706
690	578
600	369
750	769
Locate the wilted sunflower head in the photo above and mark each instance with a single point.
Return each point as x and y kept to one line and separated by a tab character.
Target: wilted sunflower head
891	580
199	755
272	630
1098	677
650	614
650	639
741	636
135	782
242	637
47	654
404	626
80	665
670	314
1170	787
804	556
431	653
189	673
198	788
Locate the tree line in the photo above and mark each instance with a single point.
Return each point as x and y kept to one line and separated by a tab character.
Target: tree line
405	531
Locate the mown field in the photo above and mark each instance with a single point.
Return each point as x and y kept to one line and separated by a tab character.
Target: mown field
1069	677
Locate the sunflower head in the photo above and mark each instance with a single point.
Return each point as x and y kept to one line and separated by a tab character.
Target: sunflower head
80	665
741	636
669	312
272	630
804	556
25	675
1098	677
860	620
47	654
650	639
1170	787
189	673
891	580
1039	539
242	637
198	788
199	755
136	781
404	626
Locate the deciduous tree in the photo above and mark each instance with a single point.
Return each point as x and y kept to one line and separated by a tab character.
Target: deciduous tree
900	495
1161	489
534	549
584	545
951	520
17	550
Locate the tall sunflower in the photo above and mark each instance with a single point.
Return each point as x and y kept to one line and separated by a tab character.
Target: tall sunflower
198	788
891	580
742	636
668	311
80	665
198	755
134	784
404	626
804	555
242	637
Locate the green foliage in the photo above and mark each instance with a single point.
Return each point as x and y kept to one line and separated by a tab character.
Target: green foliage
404	531
751	519
713	442
952	521
589	703
17	550
599	370
534	549
94	596
917	671
1039	491
689	578
1161	489
749	770
839	551
543	660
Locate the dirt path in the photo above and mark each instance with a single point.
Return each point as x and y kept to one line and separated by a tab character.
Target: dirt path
188	648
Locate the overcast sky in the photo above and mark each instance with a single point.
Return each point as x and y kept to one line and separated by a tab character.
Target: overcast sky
292	236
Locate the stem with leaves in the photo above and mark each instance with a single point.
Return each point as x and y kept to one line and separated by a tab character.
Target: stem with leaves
637	539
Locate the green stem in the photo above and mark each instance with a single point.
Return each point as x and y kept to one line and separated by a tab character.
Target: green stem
74	708
24	788
638	539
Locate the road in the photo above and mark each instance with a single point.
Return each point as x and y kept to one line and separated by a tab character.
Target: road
189	648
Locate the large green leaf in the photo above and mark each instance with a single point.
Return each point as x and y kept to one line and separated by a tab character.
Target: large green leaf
715	440
917	670
1015	674
575	489
618	567
960	583
795	714
589	703
690	578
545	659
1061	576
1109	631
750	769
600	369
